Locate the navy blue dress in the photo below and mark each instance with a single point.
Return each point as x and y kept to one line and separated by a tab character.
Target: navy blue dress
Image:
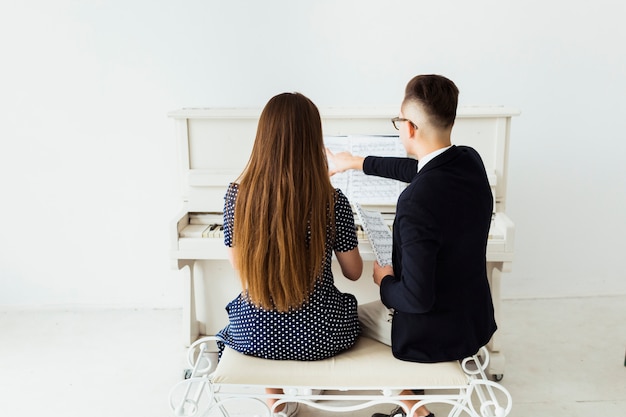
324	326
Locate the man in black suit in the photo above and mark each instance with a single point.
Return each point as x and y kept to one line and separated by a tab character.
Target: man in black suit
437	289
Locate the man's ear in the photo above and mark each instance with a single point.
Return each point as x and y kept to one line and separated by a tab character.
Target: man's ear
412	130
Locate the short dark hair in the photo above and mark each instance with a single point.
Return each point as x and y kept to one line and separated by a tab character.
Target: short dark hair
438	95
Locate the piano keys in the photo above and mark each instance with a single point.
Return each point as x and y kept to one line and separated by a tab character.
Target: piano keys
199	226
213	148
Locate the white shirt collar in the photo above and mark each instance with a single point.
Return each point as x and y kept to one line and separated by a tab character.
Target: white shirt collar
430	157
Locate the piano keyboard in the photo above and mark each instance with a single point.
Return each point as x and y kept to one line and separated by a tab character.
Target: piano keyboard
213	231
209	225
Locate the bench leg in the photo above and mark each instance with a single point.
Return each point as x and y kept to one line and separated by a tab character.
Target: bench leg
496	362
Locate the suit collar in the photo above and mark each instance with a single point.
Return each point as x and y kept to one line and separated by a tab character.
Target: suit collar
440	159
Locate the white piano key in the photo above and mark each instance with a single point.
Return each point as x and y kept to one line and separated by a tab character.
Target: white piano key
193	231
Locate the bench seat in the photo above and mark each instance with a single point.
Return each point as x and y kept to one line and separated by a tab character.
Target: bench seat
365	375
367	365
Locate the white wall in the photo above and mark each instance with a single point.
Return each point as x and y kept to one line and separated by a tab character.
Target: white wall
87	158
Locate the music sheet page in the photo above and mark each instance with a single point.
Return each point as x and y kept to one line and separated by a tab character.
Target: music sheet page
358	187
377	232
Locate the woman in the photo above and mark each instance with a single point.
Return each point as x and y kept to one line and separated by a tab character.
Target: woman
282	221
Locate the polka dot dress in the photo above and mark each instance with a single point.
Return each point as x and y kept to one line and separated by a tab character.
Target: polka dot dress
326	325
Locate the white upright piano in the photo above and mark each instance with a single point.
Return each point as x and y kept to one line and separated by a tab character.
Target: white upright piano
214	145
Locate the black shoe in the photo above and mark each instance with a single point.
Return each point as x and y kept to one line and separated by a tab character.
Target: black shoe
396	412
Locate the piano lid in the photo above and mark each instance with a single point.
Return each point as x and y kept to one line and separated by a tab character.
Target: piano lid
214	144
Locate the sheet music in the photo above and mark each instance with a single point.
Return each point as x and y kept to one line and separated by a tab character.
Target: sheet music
367	189
377	232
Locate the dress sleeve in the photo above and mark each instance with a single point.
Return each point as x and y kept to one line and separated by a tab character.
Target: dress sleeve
345	231
229	213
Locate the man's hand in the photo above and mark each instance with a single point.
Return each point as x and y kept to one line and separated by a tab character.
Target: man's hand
381	272
343	161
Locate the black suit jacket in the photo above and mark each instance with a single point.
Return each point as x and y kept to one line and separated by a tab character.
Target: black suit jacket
440	293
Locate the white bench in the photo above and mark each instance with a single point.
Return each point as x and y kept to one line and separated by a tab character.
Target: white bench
363	376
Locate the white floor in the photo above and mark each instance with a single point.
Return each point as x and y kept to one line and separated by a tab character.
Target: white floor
564	357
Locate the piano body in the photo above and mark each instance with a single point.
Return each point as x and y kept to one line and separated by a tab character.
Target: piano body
213	148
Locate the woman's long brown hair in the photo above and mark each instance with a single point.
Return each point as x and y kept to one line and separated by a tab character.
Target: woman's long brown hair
284	206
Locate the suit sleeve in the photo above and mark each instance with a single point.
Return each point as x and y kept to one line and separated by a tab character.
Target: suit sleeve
401	169
414	290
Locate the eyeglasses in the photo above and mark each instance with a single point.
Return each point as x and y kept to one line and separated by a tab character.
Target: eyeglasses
400	119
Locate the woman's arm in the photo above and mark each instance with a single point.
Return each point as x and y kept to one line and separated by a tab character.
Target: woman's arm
231	257
351	263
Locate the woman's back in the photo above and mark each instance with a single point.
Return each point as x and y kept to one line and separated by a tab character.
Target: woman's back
282	222
323	326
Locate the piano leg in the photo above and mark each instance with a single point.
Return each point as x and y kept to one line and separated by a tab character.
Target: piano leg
190	321
496	357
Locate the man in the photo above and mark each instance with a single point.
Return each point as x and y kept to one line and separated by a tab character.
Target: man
437	288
